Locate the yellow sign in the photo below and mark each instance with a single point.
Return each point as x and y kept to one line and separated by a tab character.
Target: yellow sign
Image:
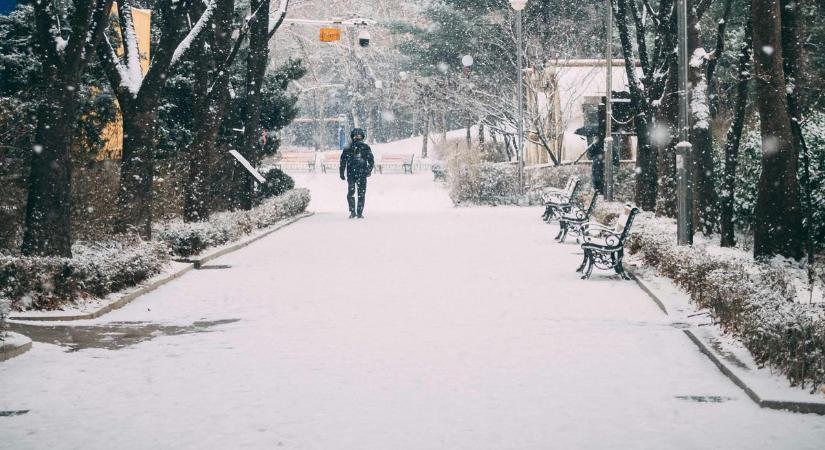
330	35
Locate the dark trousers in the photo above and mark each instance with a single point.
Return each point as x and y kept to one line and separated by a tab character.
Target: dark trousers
361	184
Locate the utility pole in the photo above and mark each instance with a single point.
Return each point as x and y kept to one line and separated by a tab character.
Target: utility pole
608	108
518	6
684	188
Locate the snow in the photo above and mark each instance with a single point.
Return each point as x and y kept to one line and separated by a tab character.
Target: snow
60	44
133	72
422	326
280	12
193	33
699	105
698	58
10	340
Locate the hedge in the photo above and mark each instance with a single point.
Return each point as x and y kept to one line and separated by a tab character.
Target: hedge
188	239
757	302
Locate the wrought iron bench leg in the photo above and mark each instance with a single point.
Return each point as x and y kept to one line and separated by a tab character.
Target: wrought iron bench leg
584	262
590	263
562	226
620	266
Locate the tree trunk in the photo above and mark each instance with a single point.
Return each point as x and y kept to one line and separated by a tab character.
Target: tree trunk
137	167
211	97
469	134
47	230
645	186
778	229
666	145
704	192
794	65
481	133
734	137
255	72
425	136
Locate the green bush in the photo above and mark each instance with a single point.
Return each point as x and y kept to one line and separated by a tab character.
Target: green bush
277	182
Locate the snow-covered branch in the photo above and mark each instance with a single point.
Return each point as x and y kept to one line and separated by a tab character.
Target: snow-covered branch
193	33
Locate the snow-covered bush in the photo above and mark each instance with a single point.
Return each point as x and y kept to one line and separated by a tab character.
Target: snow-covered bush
755	301
277	182
484	183
96	270
187	239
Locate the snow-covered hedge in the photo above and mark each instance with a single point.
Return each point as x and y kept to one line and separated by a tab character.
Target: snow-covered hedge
755	301
96	269
187	239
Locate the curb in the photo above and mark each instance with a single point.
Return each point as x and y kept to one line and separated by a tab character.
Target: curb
795	406
195	264
8	352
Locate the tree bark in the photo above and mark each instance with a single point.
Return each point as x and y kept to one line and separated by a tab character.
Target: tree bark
211	97
666	146
139	111
646	170
733	140
778	229
704	193
255	72
137	167
425	135
47	230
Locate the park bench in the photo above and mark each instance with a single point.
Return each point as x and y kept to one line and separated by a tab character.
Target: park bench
604	246
573	221
331	159
403	160
558	203
297	159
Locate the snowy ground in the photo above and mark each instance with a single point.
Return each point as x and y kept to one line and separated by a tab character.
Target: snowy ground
421	327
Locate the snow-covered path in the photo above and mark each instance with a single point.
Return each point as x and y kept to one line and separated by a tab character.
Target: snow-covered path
421	327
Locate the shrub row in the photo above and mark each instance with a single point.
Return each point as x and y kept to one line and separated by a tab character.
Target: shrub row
187	239
757	302
98	269
95	270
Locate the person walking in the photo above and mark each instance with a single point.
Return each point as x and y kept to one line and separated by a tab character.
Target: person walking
357	162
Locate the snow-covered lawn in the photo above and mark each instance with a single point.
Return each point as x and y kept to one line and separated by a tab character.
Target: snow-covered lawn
422	326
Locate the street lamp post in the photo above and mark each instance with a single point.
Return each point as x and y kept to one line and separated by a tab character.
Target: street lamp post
683	148
608	108
518	6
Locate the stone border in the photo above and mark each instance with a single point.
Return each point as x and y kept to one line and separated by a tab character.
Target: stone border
194	264
8	352
723	365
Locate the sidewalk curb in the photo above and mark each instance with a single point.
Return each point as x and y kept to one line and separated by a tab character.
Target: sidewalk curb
7	352
196	263
722	365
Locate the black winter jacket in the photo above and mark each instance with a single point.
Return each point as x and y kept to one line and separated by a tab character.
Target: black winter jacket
357	161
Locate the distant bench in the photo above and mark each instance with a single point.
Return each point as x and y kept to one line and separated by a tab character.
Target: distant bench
297	159
403	160
331	159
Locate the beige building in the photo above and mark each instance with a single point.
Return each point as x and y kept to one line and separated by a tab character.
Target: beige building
555	99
